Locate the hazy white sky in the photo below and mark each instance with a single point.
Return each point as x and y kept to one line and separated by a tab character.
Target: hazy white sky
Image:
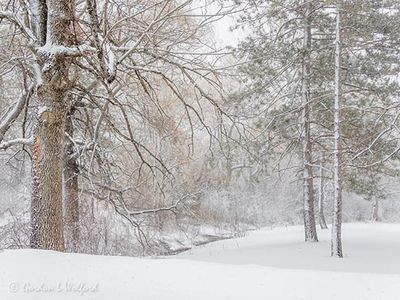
223	35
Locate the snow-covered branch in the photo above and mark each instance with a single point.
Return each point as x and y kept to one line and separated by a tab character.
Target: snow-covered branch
19	141
55	50
157	210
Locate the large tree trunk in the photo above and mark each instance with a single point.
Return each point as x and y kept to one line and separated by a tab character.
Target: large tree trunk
48	148
308	189
321	199
46	206
336	241
71	192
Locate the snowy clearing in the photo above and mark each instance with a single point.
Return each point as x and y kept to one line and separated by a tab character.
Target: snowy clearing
266	264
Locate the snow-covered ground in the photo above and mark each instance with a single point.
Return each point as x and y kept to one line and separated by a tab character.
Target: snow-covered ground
267	264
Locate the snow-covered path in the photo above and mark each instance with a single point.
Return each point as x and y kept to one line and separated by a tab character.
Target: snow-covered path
267	264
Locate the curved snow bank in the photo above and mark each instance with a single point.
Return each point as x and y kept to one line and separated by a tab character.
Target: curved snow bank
368	248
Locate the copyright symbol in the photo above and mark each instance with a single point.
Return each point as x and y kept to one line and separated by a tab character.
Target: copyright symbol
14	287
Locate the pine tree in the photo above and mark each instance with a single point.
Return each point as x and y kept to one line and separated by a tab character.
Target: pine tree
336	242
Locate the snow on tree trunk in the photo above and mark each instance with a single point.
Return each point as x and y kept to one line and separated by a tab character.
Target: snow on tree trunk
308	189
71	192
321	199
38	20
336	241
48	147
375	210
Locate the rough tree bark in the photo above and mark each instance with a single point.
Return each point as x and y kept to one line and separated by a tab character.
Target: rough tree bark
71	191
48	147
308	188
336	241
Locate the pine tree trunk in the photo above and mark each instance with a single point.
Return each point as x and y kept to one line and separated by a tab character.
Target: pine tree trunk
308	188
336	242
49	135
71	193
375	210
321	199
